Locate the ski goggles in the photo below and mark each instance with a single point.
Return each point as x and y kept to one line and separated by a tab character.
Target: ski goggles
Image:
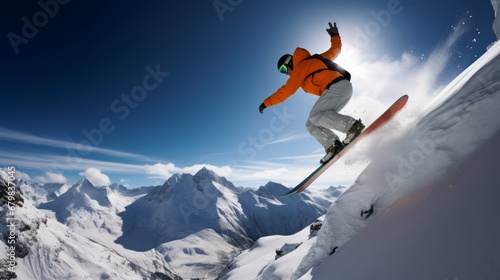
283	69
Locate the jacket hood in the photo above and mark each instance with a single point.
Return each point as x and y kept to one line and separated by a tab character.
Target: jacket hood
300	54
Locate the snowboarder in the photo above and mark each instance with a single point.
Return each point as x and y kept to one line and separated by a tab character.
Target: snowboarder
318	75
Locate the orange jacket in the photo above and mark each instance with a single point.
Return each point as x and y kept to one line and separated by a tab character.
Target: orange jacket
315	84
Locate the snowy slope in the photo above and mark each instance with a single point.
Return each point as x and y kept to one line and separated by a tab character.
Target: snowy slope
434	191
454	231
262	254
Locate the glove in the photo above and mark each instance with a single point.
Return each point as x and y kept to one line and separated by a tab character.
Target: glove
262	107
333	31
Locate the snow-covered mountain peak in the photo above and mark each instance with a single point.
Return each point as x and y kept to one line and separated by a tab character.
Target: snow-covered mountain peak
207	176
118	188
178	186
271	190
205	172
85	182
85	188
81	197
205	183
172	180
183	205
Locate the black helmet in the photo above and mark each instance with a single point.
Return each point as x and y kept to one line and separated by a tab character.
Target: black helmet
286	60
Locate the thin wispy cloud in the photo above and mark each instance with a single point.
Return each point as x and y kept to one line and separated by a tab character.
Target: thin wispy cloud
21	137
59	162
248	174
288	138
301	157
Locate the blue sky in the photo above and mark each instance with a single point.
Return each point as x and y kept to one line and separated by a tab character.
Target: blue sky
134	92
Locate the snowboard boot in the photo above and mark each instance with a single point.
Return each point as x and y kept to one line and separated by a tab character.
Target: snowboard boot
353	132
332	151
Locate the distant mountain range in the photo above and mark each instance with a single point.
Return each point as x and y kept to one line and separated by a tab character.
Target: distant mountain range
189	227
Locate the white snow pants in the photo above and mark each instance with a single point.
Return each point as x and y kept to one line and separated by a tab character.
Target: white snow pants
325	117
